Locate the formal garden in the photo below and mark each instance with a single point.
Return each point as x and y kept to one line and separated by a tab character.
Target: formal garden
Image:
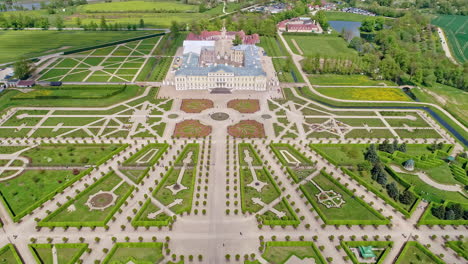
244	106
195	105
135	252
95	206
138	165
414	252
191	129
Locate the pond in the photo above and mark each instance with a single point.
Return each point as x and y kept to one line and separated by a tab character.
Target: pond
351	26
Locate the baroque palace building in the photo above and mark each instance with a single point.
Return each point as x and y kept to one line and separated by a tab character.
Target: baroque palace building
211	61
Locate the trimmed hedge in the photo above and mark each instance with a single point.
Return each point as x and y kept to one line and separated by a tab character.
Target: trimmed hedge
14	252
382	221
74	259
436	221
112	43
454	245
281	221
435	258
257	161
45	222
297	244
347	244
150	245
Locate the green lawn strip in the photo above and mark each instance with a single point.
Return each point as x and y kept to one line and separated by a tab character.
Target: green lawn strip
354	211
346	80
136	252
71	154
460	247
414	252
256	160
6	100
147	69
272	46
138	6
66	253
268	193
418	133
286	72
160	69
373	133
62	41
158	149
191	147
279	252
169	44
400	122
308	94
9	255
71	121
135	175
381	254
66	92
83	215
11	149
365	94
142	219
360	122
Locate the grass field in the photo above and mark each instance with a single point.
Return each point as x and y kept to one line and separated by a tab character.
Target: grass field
139	6
365	94
144	252
6	100
324	45
14	44
8	255
346	80
286	72
452	99
456	30
272	46
65	252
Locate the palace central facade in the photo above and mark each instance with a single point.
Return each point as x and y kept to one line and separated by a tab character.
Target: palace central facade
210	61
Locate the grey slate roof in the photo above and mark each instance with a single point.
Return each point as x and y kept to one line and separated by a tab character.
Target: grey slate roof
252	64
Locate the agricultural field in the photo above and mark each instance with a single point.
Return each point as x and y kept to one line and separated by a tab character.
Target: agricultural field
455	29
14	44
114	64
365	94
324	45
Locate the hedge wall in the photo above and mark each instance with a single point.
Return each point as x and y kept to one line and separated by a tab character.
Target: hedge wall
136	222
436	221
74	259
281	221
155	158
455	247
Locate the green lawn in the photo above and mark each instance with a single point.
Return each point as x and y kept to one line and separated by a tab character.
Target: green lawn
287	72
324	45
413	252
267	194
364	94
143	252
346	80
272	46
243	147
138	6
66	253
75	155
142	217
31	186
280	252
14	44
8	255
461	247
343	154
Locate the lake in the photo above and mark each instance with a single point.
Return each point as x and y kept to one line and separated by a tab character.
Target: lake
351	26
